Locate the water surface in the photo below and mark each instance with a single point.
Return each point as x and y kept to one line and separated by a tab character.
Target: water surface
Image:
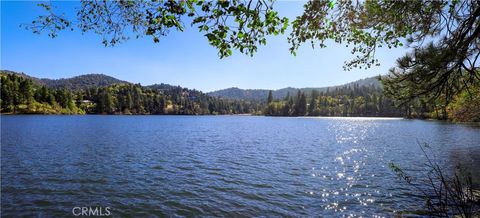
220	165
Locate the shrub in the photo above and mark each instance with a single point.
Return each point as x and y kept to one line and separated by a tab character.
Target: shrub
445	195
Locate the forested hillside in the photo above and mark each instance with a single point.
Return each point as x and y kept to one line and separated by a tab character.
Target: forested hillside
241	94
348	100
75	83
100	94
83	82
259	94
354	99
23	94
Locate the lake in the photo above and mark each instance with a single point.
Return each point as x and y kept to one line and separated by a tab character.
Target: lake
221	165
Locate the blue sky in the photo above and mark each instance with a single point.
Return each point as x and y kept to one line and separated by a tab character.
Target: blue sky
181	58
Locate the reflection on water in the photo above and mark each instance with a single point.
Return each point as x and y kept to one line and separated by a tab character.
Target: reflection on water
220	165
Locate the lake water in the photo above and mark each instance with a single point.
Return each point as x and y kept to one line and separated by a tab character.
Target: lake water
220	165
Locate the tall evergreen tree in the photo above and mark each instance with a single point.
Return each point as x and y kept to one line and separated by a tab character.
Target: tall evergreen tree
270	97
302	107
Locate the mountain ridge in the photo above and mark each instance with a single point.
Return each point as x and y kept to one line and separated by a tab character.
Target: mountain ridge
261	94
74	83
91	80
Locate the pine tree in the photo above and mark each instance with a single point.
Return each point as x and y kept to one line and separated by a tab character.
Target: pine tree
302	105
270	97
313	102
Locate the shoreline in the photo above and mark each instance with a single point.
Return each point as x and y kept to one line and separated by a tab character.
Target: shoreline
253	115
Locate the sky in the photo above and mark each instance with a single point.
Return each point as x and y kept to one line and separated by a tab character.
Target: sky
181	58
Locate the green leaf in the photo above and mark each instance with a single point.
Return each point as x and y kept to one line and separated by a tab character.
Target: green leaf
210	36
331	4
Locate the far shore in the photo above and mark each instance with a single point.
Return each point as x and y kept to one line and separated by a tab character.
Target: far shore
333	117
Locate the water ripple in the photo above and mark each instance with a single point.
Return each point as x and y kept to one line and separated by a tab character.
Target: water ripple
157	166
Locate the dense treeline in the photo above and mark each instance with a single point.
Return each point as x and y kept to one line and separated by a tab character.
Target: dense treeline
260	94
465	106
460	107
375	101
82	82
345	101
430	92
135	99
21	95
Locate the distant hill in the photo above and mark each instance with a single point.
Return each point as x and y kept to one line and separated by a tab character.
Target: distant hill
87	81
25	94
100	80
261	94
75	83
370	81
83	82
162	86
241	94
36	80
